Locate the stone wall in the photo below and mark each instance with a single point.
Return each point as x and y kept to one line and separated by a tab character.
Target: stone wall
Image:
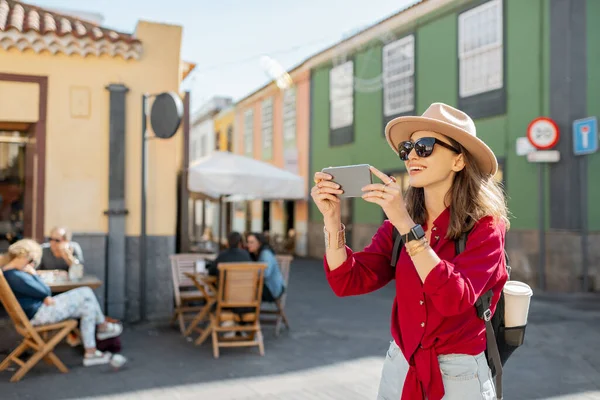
159	286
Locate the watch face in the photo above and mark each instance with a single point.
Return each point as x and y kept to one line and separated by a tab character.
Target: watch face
418	232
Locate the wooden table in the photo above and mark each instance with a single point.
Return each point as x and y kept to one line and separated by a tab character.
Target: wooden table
63	285
205	285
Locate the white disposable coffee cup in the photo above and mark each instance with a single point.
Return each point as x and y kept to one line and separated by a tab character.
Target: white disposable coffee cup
517	296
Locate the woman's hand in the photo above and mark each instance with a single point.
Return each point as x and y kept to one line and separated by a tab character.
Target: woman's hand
29	269
388	196
324	194
49	301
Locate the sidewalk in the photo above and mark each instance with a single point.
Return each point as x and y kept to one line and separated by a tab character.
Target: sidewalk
334	351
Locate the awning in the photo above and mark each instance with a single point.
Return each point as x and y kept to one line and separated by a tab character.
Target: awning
228	174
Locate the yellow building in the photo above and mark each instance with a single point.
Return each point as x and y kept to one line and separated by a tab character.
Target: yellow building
224	128
70	143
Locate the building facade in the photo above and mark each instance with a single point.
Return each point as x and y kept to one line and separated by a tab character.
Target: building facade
272	125
70	125
504	62
224	129
203	142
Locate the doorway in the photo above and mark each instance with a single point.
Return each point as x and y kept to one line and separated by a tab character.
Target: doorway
16	192
266	216
32	136
289	216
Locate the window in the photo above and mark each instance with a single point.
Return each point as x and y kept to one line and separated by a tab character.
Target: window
399	76
267	128
248	131
193	150
218	141
480	49
341	95
203	146
230	138
289	115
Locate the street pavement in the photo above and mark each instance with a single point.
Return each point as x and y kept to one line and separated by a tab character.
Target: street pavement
334	351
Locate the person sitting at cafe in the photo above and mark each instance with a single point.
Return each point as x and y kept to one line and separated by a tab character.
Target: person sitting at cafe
60	253
36	300
260	251
235	252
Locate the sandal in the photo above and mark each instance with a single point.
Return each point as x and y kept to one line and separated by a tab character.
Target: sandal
98	358
112	330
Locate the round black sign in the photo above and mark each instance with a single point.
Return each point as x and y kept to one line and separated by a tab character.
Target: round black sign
166	114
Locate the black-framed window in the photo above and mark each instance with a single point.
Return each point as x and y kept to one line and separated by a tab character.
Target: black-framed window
218	140
341	104
289	115
481	60
230	138
248	132
267	128
398	76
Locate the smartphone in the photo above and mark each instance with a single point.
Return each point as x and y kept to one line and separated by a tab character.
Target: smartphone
351	178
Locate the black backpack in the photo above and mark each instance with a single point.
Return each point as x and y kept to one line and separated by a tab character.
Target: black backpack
502	341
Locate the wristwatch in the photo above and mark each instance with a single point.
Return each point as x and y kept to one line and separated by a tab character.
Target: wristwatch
415	233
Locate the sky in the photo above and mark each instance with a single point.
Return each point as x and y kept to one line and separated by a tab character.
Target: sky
226	38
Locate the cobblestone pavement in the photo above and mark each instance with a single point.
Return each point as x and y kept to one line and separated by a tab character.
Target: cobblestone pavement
334	351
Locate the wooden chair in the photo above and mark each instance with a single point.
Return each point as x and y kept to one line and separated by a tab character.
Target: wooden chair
32	336
284	262
240	285
180	265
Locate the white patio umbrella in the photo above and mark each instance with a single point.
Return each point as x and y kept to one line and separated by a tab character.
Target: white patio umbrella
223	174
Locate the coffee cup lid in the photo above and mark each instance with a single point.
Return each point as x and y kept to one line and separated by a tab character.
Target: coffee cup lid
516	288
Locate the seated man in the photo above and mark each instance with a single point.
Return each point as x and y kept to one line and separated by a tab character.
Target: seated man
60	253
234	252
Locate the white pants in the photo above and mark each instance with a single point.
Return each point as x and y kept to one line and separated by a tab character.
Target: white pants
77	303
465	377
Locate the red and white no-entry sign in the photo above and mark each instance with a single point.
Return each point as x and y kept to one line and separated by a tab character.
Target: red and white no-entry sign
543	133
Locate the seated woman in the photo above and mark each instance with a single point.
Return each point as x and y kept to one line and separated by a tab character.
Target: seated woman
260	251
42	308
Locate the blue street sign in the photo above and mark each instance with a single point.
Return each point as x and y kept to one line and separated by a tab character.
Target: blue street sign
585	136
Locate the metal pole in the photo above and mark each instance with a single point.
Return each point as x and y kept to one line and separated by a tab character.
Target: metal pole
542	228
219	228
143	254
584	223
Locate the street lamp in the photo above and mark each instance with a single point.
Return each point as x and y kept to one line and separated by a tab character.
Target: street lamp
165	117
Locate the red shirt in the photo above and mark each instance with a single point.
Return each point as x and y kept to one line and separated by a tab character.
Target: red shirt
437	316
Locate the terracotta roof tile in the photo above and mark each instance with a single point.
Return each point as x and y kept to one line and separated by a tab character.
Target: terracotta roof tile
19	21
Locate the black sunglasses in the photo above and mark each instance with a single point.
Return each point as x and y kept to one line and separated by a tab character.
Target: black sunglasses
423	147
55	240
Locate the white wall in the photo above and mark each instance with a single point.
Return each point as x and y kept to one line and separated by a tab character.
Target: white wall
202	140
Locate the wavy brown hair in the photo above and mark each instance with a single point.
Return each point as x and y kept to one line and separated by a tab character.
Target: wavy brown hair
473	195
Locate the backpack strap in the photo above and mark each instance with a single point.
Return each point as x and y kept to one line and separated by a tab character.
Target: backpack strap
398	244
482	306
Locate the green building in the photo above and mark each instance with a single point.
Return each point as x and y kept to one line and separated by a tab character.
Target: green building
504	62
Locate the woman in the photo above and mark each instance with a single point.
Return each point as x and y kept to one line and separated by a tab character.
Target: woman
438	342
42	308
260	251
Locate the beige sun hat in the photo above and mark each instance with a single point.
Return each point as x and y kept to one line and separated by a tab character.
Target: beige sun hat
448	121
